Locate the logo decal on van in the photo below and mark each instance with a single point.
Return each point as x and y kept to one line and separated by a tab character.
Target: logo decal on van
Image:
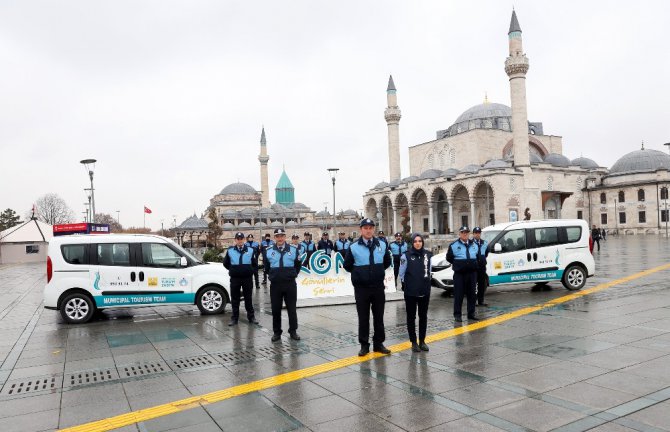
97	281
183	282
152	281
558	255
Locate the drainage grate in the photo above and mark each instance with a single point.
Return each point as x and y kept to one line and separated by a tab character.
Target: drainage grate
31	385
326	343
235	356
142	369
192	362
90	377
275	350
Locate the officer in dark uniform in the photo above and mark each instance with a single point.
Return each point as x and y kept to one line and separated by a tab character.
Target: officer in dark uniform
325	244
382	237
482	254
398	247
308	247
367	261
295	242
257	248
462	254
241	264
342	244
266	244
283	266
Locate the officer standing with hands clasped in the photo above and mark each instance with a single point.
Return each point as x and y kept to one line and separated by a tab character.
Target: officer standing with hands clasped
266	244
308	247
342	244
482	254
241	265
398	248
462	254
282	266
367	261
325	244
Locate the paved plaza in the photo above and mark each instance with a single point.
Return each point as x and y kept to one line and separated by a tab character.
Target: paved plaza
598	362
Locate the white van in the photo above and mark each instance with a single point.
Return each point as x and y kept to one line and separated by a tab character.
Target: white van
90	272
539	251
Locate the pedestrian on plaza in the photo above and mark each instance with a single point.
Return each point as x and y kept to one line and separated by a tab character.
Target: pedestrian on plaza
367	260
462	254
482	254
415	276
266	244
283	266
325	244
382	237
595	233
308	247
398	248
342	244
603	234
241	264
591	243
256	247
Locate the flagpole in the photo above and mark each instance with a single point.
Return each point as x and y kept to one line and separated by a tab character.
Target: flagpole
144	213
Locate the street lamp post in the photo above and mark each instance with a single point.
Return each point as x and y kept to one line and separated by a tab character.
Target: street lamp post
118	214
89	164
616	217
333	173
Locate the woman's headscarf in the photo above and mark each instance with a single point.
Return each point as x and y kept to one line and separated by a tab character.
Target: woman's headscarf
423	243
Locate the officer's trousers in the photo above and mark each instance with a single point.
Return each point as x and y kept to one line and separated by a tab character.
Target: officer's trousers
258	285
482	284
396	268
370	297
464	286
411	304
246	284
284	292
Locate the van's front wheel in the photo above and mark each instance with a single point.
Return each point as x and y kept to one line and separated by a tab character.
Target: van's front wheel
574	277
77	308
211	300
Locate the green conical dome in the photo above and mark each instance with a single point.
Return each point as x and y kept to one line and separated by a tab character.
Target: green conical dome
284	192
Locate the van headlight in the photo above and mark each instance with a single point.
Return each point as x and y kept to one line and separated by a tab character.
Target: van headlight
441	265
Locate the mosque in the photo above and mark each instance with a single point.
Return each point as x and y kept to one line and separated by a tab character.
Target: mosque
492	165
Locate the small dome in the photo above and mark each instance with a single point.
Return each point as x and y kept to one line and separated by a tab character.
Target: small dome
230	214
244	225
228	225
381	185
409	179
394	183
533	157
260	224
291	223
238	189
298	205
450	172
470	169
278	207
323	213
266	211
557	160
430	174
350	212
585	163
247	212
276	224
496	164
645	160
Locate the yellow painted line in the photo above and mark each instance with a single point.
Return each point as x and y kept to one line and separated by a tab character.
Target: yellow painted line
146	414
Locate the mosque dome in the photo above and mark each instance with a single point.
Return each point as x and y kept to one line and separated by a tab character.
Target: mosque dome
645	160
260	224
557	160
430	174
585	163
470	169
496	164
244	225
228	225
533	157
483	116
381	185
229	214
450	172
350	212
297	205
394	183
323	213
409	179
238	189
485	110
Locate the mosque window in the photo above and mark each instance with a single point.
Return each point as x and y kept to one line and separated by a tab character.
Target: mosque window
642	217
603	219
488	124
603	198
442	163
452	159
640	195
550	183
622	197
622	217
431	161
664	193
580	214
664	215
512	184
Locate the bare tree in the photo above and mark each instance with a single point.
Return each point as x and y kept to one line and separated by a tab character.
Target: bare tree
52	209
105	218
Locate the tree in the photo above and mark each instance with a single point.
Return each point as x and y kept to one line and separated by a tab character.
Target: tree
215	230
8	219
52	209
104	218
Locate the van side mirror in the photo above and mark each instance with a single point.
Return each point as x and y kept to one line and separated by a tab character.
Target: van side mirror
497	248
183	262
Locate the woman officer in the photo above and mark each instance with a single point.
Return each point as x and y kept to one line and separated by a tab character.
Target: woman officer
415	274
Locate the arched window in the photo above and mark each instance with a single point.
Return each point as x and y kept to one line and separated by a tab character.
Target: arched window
622	197
664	193
640	195
603	198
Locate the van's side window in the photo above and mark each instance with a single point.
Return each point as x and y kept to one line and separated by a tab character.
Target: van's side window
74	254
159	255
114	254
513	240
547	236
574	234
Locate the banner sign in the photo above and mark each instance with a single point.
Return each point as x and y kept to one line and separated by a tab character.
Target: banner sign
325	277
80	228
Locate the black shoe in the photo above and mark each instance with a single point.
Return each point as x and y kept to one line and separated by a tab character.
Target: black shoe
423	347
233	322
295	336
252	320
415	347
365	349
473	318
458	319
275	337
381	349
482	304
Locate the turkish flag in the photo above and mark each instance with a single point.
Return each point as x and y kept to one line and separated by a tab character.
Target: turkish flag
147	210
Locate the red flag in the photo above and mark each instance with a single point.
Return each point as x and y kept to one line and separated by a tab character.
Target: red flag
147	210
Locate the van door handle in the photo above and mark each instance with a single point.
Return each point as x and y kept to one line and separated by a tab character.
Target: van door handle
528	256
132	276
534	256
141	276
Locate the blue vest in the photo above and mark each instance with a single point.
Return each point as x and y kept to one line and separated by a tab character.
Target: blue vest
240	263
299	247
282	260
483	251
366	264
240	258
362	256
398	249
342	245
308	246
463	257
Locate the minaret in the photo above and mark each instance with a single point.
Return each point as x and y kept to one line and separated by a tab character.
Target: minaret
516	67
263	158
392	116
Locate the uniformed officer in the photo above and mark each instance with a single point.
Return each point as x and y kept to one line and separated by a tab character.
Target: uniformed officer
283	266
342	244
482	254
382	237
415	275
325	244
367	261
308	247
266	244
256	247
241	264
398	247
295	242
462	254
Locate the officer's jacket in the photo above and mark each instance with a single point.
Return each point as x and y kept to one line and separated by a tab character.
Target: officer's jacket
255	246
308	246
300	247
282	265
240	263
383	239
482	252
398	249
463	256
326	246
265	245
415	272
342	246
367	265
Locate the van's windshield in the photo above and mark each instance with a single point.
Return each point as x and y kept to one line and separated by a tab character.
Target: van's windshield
187	253
489	235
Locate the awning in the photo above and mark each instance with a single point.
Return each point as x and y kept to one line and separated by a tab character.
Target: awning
551	194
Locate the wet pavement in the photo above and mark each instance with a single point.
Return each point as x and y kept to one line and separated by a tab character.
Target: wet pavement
600	362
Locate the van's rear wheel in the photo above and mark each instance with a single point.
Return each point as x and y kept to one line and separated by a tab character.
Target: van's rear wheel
77	308
574	277
211	300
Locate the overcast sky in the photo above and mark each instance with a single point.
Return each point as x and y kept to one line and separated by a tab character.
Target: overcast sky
170	96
